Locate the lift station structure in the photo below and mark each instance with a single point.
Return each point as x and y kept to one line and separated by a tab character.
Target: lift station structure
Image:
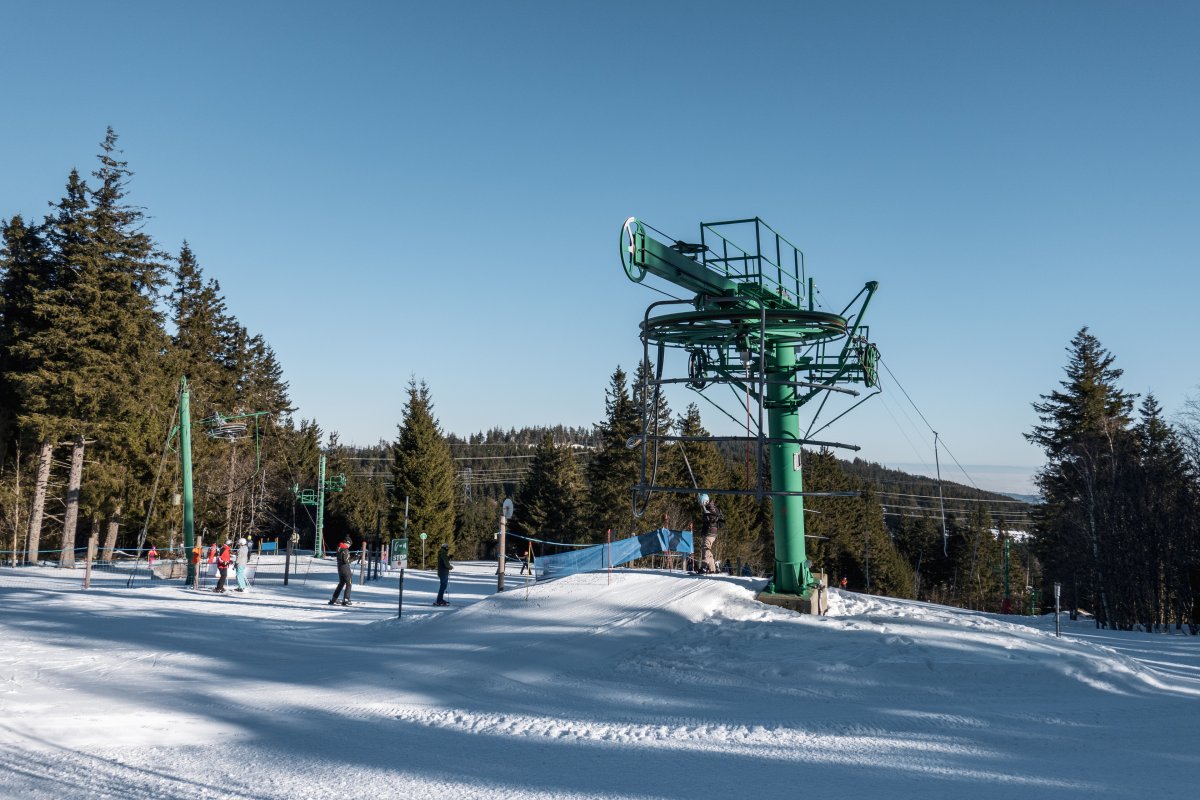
756	338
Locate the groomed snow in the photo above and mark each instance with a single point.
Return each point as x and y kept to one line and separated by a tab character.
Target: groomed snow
654	686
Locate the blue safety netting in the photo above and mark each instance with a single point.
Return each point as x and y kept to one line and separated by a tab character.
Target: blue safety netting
622	551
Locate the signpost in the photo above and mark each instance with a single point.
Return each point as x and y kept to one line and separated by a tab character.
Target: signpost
506	512
424	536
398	555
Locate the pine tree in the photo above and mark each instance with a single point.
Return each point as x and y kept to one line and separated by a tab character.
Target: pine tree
919	542
1085	432
656	509
1164	495
549	503
423	471
136	388
24	272
699	465
978	563
847	534
613	468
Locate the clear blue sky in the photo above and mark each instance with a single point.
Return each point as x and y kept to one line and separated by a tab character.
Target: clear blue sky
387	190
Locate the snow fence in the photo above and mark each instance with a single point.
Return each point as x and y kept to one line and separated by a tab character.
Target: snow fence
622	551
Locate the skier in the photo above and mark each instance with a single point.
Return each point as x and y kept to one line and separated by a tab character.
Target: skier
243	560
345	576
710	522
443	570
222	567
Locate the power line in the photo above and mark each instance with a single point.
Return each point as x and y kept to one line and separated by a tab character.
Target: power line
952	499
961	469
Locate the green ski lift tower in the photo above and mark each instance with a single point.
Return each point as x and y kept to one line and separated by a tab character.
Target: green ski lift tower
316	497
219	426
756	340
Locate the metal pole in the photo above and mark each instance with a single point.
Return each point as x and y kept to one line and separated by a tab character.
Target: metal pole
792	574
400	606
319	543
1057	618
941	502
287	561
185	456
500	554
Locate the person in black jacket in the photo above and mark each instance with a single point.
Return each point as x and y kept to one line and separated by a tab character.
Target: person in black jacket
345	576
222	567
710	522
443	569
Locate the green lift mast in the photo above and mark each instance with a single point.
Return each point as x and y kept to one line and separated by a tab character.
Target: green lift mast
217	426
752	329
311	497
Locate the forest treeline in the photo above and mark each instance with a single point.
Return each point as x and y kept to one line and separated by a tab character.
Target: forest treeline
99	323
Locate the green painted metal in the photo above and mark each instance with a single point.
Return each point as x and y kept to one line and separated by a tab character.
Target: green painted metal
753	326
792	574
185	455
316	497
319	544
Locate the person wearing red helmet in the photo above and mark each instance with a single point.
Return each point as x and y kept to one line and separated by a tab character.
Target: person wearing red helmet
345	576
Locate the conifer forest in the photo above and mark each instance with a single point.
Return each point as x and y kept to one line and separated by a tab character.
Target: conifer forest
99	322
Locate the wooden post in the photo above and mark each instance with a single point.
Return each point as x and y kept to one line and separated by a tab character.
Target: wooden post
362	562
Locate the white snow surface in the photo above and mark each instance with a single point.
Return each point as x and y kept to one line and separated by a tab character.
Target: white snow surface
642	684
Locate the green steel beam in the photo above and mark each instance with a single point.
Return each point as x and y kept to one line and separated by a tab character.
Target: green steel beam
185	455
319	543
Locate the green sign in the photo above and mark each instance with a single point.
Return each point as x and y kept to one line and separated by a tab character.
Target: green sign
399	549
424	536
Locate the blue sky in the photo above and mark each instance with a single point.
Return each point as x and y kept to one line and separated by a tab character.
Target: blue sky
387	190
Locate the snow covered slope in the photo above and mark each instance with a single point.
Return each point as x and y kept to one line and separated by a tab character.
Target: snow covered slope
654	686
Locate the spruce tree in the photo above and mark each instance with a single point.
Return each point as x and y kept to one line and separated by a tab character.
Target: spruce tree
847	534
978	562
699	465
549	503
1084	431
24	273
423	471
1164	495
657	509
613	468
